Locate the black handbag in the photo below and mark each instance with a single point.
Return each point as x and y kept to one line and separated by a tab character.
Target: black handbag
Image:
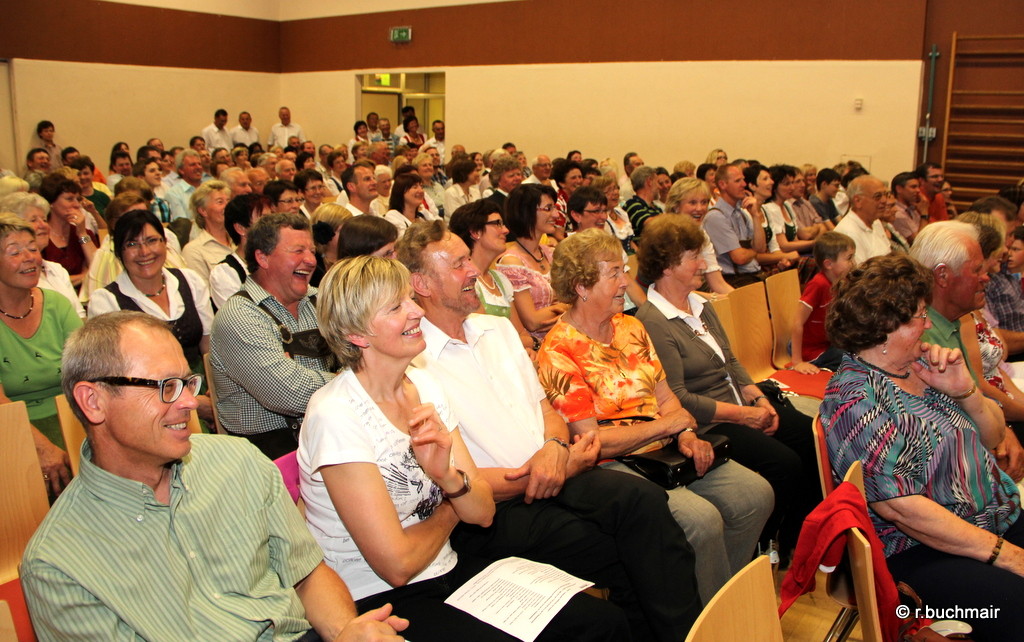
669	468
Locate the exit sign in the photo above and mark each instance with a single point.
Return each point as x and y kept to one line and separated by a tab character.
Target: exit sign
401	34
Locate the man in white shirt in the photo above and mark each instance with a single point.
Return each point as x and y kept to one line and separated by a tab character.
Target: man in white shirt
281	132
553	506
861	223
361	188
214	134
541	168
244	133
630	162
437	141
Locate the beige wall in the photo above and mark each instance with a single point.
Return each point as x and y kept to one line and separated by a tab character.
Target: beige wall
779	111
95	105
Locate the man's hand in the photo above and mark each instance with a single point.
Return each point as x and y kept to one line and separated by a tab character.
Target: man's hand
377	625
546	470
583	453
1010	456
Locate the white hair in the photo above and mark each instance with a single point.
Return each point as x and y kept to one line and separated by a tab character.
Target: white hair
945	242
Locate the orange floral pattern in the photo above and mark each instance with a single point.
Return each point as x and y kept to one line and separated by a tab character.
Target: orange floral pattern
584	378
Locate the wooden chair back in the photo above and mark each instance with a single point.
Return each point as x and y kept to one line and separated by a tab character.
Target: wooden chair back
212	391
821	450
23	502
723	308
751	339
742	610
7	631
783	292
74	431
859	551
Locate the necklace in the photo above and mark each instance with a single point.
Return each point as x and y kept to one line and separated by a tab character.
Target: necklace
877	369
163	284
493	287
31	306
539	261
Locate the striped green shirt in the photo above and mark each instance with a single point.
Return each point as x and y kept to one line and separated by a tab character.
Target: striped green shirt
111	563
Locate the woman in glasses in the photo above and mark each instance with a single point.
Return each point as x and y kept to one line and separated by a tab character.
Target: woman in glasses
178	296
35	324
530	214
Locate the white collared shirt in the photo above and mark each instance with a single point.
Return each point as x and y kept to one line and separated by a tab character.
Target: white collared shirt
492	386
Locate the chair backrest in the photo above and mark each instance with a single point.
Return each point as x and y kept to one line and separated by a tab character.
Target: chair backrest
7	632
742	610
212	389
752	339
821	450
723	308
783	291
74	431
859	551
23	502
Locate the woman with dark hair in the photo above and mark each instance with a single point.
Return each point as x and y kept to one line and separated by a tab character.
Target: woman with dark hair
71	244
305	160
480	226
412	137
760	185
530	214
361	133
465	177
781	218
575	155
96	193
255	149
363	235
405	204
568	175
337	163
910	412
710	382
240	213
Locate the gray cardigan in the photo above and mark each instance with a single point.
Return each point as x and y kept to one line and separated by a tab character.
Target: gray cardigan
695	373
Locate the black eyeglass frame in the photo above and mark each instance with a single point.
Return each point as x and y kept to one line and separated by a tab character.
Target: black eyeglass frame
180	384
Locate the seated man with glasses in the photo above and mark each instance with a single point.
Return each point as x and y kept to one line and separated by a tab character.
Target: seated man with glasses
207	543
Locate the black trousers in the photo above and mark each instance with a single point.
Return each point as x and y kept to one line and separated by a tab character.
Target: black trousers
609	528
788	462
584	618
945	581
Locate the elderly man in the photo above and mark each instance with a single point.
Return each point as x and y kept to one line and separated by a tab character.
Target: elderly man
951	251
190	173
37	165
285	170
553	507
214	134
861	223
281	132
244	133
541	172
266	352
390	139
360	187
506	175
215	548
640	206
258	178
378	153
736	236
237	180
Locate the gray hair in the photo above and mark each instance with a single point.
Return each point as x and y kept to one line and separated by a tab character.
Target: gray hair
640	176
858	186
502	164
382	170
186	153
20	202
231	175
944	242
94	350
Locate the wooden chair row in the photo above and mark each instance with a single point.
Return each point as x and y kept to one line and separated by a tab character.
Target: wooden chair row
757	319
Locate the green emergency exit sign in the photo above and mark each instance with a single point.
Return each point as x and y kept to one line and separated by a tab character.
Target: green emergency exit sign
401	34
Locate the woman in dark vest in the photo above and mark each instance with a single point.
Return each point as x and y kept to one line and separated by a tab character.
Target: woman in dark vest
178	296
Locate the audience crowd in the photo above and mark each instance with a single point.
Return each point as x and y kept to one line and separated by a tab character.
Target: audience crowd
460	356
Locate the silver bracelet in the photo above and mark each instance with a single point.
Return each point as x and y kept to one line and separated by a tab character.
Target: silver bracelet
560	442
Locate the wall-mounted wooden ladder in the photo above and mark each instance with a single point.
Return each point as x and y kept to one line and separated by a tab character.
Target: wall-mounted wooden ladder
983	140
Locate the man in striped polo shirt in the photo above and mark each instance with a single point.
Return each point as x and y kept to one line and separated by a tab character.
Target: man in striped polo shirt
165	535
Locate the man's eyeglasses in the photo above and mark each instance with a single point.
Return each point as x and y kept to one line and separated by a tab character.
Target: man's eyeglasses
170	388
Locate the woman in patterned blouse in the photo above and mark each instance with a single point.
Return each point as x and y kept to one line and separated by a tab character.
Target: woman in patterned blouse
910	412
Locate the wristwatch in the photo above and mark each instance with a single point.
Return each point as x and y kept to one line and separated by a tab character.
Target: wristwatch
83	239
466	486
